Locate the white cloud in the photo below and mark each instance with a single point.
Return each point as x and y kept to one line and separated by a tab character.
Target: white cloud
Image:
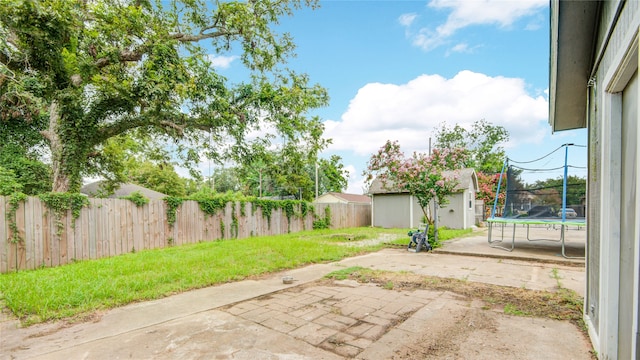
411	112
407	19
428	39
357	186
535	24
221	62
502	13
461	48
356	181
464	13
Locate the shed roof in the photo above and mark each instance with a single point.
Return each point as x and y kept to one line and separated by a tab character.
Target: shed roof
466	177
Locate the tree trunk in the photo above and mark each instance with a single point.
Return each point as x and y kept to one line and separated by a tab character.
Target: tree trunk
435	222
61	181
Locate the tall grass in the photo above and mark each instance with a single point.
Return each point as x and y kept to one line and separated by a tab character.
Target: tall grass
86	286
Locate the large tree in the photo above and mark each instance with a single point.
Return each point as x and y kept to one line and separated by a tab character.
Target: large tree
291	171
332	176
223	180
576	189
483	141
134	158
74	74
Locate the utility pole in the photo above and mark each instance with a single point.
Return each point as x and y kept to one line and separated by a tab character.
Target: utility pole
316	180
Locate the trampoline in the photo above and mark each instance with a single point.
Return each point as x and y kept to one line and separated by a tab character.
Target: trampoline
537	197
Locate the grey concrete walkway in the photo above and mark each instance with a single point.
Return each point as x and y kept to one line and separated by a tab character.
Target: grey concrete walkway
266	319
540	243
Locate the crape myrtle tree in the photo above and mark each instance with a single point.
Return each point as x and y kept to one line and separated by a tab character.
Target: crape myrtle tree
74	74
487	189
427	177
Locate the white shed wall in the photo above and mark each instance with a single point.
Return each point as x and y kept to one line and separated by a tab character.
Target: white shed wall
396	211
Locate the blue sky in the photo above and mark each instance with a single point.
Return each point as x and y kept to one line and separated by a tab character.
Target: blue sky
397	70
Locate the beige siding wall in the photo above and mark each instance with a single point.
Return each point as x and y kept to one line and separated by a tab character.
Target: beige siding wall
612	256
328	199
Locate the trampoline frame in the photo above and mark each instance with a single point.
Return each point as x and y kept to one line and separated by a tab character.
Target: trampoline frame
528	222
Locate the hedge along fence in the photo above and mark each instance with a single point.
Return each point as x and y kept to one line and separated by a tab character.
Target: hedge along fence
41	232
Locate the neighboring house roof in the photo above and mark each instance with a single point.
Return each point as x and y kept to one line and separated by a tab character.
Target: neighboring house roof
346	198
464	175
95	189
572	51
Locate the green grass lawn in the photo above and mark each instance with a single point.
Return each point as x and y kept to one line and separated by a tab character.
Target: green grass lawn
80	288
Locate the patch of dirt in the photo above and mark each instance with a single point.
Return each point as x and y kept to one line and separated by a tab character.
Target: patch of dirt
563	304
362	242
477	332
445	343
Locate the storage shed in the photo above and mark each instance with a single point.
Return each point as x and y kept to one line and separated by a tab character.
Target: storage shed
396	208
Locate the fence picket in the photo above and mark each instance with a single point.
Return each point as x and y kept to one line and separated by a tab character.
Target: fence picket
83	227
71	237
111	238
29	236
4	236
63	239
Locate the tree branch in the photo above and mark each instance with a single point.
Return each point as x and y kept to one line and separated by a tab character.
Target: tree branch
136	55
178	123
46	134
124	56
202	35
169	124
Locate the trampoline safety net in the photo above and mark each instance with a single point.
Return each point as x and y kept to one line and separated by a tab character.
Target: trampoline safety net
545	190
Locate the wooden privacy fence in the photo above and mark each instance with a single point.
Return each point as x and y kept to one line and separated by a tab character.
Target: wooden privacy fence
110	227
